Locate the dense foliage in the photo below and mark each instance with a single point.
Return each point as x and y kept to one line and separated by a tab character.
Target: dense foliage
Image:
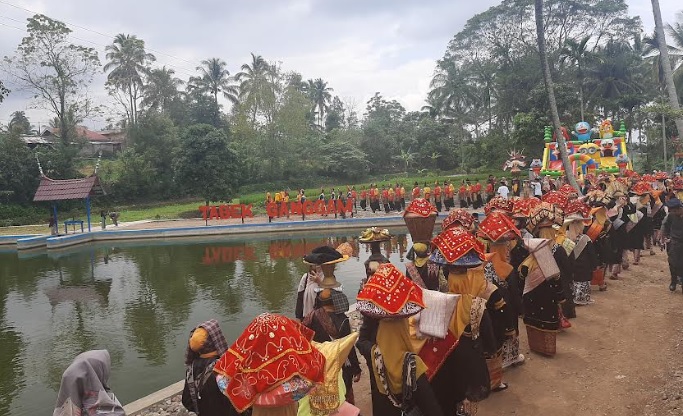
261	125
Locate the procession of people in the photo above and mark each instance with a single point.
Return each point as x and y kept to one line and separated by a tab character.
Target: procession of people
438	335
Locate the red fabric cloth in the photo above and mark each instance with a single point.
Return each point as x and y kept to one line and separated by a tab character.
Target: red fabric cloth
459	216
454	243
390	290
421	207
271	350
497	226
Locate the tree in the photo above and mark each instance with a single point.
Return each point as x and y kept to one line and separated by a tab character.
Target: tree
19	123
319	93
160	89
18	169
257	85
561	144
214	79
55	71
206	165
576	53
335	118
668	73
3	91
128	62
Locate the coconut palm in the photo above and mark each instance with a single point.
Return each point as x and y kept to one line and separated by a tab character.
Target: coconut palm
576	53
160	89
19	123
128	62
319	93
257	86
214	79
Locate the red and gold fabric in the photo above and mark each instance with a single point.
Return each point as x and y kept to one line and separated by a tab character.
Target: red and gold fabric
454	243
556	198
545	215
568	190
498	226
271	350
458	217
498	203
416	192
523	207
577	207
641	188
421	207
661	176
389	294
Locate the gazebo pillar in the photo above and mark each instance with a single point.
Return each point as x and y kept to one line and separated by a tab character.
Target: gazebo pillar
87	210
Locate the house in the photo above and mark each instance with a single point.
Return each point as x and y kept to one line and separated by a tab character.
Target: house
107	141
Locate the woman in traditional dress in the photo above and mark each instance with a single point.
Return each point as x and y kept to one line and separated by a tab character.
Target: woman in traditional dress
499	235
398	375
583	255
307	291
542	293
329	325
461	377
640	199
84	389
201	394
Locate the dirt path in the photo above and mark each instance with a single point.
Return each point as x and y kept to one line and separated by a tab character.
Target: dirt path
622	357
616	358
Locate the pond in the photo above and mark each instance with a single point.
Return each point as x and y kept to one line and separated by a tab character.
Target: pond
139	300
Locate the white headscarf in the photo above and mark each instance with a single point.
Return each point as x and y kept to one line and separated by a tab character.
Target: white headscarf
84	389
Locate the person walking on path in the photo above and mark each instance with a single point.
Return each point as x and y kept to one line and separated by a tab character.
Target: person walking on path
672	232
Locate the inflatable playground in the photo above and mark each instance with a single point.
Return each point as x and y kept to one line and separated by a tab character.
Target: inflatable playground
590	150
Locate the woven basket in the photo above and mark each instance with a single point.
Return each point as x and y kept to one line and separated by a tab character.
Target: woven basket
542	342
420	228
495	366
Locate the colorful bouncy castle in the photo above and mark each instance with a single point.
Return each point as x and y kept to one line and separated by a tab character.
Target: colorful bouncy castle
589	150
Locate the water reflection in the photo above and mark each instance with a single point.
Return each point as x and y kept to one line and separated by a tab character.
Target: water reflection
139	300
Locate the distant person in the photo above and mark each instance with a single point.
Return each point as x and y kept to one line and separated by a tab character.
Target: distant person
84	390
503	190
52	224
103	215
201	394
538	189
672	233
114	218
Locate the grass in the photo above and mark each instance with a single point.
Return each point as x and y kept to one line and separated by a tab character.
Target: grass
169	210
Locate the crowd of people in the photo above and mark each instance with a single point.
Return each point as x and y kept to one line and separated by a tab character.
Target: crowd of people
438	335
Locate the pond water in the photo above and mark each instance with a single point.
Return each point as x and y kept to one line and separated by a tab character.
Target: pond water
139	300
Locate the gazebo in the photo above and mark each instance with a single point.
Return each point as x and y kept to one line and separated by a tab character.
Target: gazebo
54	190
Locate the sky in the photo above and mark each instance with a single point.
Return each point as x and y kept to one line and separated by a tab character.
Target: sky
358	46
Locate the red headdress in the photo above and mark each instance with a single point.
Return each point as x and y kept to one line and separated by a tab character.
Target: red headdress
545	215
271	350
555	198
568	190
641	188
524	207
421	207
389	294
497	226
459	216
498	203
458	247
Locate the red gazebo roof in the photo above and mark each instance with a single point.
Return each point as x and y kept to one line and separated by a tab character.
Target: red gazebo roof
60	190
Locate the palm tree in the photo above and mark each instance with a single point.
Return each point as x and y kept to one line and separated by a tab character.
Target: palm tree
128	62
319	93
668	72
576	53
256	83
214	79
160	89
407	157
19	123
676	33
561	144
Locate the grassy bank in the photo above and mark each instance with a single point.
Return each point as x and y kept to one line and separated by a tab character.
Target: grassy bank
168	210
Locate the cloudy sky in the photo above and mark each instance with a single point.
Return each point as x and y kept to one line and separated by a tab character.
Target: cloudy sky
358	46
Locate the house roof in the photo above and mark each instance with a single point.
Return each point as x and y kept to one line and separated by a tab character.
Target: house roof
35	140
60	190
82	131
